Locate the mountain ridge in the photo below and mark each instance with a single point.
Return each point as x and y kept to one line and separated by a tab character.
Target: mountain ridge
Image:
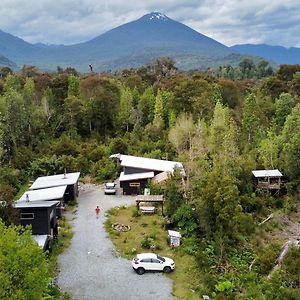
132	44
278	54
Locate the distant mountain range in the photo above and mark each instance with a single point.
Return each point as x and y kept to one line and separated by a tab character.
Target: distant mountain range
130	45
5	62
278	54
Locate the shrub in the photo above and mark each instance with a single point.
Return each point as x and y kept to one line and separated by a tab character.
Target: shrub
104	169
267	259
153	236
155	246
190	245
47	165
291	267
146	243
135	213
185	218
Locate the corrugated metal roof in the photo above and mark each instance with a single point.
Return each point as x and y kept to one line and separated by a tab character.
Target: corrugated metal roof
149	163
267	173
136	176
52	193
35	204
55	180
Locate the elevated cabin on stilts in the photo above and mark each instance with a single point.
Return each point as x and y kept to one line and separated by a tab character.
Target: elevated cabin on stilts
270	180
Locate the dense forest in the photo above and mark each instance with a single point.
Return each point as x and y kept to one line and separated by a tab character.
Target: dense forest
221	124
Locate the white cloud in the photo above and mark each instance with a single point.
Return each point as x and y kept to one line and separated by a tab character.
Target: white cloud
229	22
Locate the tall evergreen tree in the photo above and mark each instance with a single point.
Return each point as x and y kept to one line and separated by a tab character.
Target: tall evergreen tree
126	108
146	106
251	122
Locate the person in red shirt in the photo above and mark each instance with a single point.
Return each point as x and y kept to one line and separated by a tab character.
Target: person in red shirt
97	209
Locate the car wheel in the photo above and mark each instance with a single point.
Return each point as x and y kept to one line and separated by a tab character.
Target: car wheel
140	271
167	269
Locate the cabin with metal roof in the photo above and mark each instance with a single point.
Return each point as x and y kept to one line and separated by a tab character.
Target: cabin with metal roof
270	180
71	180
48	194
137	171
41	215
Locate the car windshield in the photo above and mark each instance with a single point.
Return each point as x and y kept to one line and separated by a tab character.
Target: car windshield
110	186
160	258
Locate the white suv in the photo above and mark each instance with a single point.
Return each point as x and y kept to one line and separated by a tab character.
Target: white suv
152	262
110	188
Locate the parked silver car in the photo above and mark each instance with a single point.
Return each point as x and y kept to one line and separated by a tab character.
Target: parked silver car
110	188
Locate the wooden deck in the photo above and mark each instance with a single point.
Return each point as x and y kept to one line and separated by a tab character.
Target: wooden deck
268	186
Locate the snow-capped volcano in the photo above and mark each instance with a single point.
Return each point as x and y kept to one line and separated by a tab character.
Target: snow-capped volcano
156	16
129	45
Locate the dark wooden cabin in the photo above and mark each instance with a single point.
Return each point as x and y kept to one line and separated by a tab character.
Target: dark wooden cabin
41	215
71	180
137	171
134	184
48	194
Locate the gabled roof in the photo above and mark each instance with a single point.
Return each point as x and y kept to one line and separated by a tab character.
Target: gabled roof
136	176
267	173
55	180
52	193
35	204
149	163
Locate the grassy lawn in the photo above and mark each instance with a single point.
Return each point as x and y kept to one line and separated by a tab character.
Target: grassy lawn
149	231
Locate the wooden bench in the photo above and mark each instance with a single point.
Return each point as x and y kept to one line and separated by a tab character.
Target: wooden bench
147	209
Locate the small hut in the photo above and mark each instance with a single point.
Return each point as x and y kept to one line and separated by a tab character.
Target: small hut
270	180
174	238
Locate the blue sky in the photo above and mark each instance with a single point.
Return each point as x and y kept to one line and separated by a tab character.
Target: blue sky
275	22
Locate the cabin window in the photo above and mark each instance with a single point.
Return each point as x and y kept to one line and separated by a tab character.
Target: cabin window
134	184
27	216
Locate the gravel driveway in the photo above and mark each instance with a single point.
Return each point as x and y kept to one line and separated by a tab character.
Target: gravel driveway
89	269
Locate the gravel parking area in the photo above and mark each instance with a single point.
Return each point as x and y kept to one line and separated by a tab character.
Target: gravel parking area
90	269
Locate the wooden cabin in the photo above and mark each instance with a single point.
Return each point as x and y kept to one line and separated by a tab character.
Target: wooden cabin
41	215
48	194
270	180
137	171
71	180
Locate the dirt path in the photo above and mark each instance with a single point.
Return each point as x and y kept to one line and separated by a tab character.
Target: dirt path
89	269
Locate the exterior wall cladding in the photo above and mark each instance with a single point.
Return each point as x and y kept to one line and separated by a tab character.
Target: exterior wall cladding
132	188
131	170
71	192
41	224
